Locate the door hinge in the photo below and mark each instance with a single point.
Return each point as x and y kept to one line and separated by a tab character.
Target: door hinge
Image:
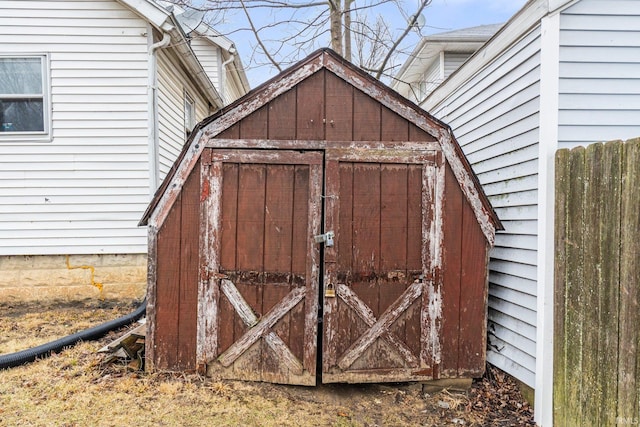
326	238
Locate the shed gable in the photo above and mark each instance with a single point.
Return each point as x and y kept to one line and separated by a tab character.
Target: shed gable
338	111
329	101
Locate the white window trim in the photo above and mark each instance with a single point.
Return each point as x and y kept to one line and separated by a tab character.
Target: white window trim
190	101
42	136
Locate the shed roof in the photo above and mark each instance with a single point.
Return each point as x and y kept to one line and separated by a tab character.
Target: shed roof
321	59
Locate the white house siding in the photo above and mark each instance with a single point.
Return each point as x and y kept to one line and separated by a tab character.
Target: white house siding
82	192
494	116
232	89
172	85
209	56
599	84
430	80
453	61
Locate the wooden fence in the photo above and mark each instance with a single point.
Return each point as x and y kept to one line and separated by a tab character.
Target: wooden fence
597	283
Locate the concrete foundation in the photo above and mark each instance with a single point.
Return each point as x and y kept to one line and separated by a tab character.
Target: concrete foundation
71	277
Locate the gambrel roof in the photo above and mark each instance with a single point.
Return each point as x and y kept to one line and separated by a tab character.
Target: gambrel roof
323	59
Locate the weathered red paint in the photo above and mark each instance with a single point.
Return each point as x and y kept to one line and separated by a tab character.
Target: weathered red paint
206	191
322	137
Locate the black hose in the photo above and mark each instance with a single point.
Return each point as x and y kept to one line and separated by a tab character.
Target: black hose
29	355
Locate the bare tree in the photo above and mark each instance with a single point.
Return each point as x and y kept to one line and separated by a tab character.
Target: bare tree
375	34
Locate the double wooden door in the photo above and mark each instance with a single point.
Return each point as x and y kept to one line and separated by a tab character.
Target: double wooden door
321	263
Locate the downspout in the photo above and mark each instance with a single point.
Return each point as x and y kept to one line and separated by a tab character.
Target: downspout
223	74
152	94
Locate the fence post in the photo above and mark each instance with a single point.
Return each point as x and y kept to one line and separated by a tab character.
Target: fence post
629	282
559	343
609	281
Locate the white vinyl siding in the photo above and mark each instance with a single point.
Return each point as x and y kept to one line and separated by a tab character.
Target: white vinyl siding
232	89
209	56
83	192
437	72
599	84
430	81
224	79
494	116
453	61
172	86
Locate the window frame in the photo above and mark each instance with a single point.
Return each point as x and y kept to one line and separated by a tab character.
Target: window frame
33	136
190	104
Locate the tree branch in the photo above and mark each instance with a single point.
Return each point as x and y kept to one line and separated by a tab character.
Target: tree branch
412	22
262	46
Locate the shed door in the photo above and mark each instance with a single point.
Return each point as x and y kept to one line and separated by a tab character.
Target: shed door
258	309
382	274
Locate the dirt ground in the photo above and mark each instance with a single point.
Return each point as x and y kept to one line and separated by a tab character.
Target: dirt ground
77	387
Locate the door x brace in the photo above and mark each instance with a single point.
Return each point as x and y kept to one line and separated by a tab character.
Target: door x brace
259	327
378	328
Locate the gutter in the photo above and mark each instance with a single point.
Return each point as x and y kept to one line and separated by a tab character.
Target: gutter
181	44
166	21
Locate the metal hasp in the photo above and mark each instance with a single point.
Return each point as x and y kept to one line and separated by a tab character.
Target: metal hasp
326	238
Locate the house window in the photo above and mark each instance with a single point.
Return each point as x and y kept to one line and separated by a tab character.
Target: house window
23	96
189	114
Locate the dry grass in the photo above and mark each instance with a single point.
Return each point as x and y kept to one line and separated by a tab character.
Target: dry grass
27	325
77	388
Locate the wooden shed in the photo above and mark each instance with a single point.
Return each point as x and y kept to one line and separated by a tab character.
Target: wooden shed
321	228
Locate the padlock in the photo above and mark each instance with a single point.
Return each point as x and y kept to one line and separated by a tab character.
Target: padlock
330	292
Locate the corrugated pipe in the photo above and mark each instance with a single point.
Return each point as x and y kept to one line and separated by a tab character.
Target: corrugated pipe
26	356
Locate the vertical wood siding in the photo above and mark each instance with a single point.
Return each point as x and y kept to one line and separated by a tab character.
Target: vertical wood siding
176	290
599	72
494	116
84	191
173	81
341	114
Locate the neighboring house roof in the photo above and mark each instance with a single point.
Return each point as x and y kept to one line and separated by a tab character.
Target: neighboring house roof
192	22
520	24
288	79
166	22
466	40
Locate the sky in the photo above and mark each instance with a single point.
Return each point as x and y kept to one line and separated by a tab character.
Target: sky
440	16
446	15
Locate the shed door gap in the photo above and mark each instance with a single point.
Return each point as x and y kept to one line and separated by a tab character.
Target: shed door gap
321	278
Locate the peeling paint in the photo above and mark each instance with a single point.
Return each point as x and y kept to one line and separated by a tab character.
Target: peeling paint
206	190
468	187
205	136
435	320
432	155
